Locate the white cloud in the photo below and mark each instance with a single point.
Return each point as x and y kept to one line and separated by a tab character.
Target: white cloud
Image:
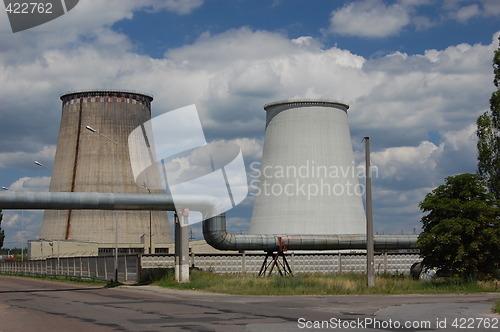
89	21
402	163
177	6
491	7
198	162
11	220
462	10
380	19
461	139
20	226
250	147
426	164
233	46
369	18
232	75
259	79
22	158
31	184
230	85
466	13
412	95
407	173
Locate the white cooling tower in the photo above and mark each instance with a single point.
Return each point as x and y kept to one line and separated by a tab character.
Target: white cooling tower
308	182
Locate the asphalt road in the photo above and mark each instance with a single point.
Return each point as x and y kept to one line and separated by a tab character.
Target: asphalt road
36	305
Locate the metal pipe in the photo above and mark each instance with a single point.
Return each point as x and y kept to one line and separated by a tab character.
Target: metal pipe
102	201
215	233
214	229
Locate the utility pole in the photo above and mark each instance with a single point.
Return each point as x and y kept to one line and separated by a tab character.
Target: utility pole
370	266
150	231
182	245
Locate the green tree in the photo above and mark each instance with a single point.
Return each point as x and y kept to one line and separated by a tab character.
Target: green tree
461	230
488	134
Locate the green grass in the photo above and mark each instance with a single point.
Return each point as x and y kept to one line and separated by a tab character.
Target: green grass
300	284
496	307
319	284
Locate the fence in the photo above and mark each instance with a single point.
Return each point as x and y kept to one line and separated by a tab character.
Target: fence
98	267
299	262
130	267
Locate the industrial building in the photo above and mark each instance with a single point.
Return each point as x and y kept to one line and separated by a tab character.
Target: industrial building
308	180
92	156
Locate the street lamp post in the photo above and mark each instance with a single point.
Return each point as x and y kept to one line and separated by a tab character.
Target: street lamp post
41	165
58	224
116	212
98	132
150	231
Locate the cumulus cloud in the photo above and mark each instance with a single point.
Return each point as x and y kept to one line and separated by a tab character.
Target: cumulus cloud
381	19
20	226
372	19
88	21
467	12
401	164
462	11
177	6
204	160
406	174
414	93
260	79
461	139
22	157
31	184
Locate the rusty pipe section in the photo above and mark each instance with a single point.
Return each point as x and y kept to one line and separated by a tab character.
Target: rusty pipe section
215	233
214	229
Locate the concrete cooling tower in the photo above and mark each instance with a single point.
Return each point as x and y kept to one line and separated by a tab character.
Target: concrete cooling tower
307	178
98	161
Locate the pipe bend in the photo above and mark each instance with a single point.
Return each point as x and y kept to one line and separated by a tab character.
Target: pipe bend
215	233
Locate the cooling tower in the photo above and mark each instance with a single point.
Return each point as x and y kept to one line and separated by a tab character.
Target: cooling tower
88	161
307	178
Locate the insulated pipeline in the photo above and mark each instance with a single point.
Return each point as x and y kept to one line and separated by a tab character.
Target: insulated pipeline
214	229
215	233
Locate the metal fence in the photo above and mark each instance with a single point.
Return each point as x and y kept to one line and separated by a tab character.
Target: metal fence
97	267
134	267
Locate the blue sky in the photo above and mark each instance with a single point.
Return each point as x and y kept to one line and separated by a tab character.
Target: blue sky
416	74
295	18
